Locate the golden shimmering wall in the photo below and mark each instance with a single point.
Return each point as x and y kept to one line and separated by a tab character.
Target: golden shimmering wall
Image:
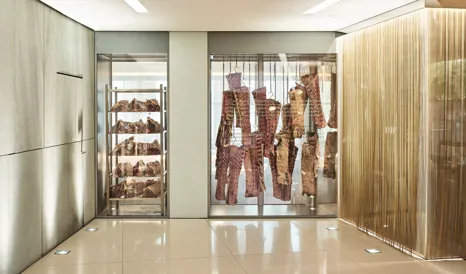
403	135
446	130
381	87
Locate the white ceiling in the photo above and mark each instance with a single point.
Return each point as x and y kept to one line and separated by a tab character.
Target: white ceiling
222	15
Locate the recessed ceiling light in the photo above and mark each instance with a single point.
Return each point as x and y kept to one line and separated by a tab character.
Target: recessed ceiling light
332	228
373	251
62	252
321	6
91	229
137	6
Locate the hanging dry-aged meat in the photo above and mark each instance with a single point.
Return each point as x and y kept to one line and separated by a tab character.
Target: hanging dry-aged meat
285	147
153	126
120	106
311	84
280	191
234	80
310	165
236	162
228	174
287	120
332	121
272	112
254	166
225	129
242	99
125	148
298	101
330	153
260	100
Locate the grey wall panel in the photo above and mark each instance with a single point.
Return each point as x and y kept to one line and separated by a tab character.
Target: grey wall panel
272	42
28	75
59	113
89	180
55	196
103	77
7	76
89	83
76	191
5	223
188	200
25	171
60	91
131	42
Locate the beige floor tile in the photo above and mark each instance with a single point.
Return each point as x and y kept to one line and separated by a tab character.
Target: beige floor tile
403	268
325	262
450	267
148	241
219	265
108	268
269	240
388	255
101	246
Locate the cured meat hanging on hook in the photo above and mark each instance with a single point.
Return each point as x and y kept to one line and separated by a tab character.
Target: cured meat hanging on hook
272	116
228	174
243	113
310	164
225	129
311	84
254	166
332	121
286	146
260	99
298	101
330	154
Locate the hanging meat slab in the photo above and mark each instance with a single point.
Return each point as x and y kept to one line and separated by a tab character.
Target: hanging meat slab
298	101
332	122
242	100
283	158
234	80
236	162
310	165
272	112
260	100
311	84
330	154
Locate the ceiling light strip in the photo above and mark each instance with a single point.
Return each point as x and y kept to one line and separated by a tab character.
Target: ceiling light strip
321	6
136	6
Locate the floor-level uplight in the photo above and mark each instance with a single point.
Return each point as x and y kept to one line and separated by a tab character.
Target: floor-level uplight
373	251
332	228
62	252
91	229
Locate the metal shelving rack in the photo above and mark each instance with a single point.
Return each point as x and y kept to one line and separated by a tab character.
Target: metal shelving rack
111	96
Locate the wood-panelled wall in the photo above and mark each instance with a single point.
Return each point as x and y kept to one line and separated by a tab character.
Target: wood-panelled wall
381	85
446	116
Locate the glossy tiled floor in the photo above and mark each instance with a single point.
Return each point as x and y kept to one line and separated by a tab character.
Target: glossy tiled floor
231	247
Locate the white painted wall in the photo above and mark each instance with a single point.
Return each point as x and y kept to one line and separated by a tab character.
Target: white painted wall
188	125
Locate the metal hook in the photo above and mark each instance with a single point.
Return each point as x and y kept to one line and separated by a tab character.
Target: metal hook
297	73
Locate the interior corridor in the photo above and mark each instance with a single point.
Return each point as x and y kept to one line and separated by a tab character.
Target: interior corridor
231	247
